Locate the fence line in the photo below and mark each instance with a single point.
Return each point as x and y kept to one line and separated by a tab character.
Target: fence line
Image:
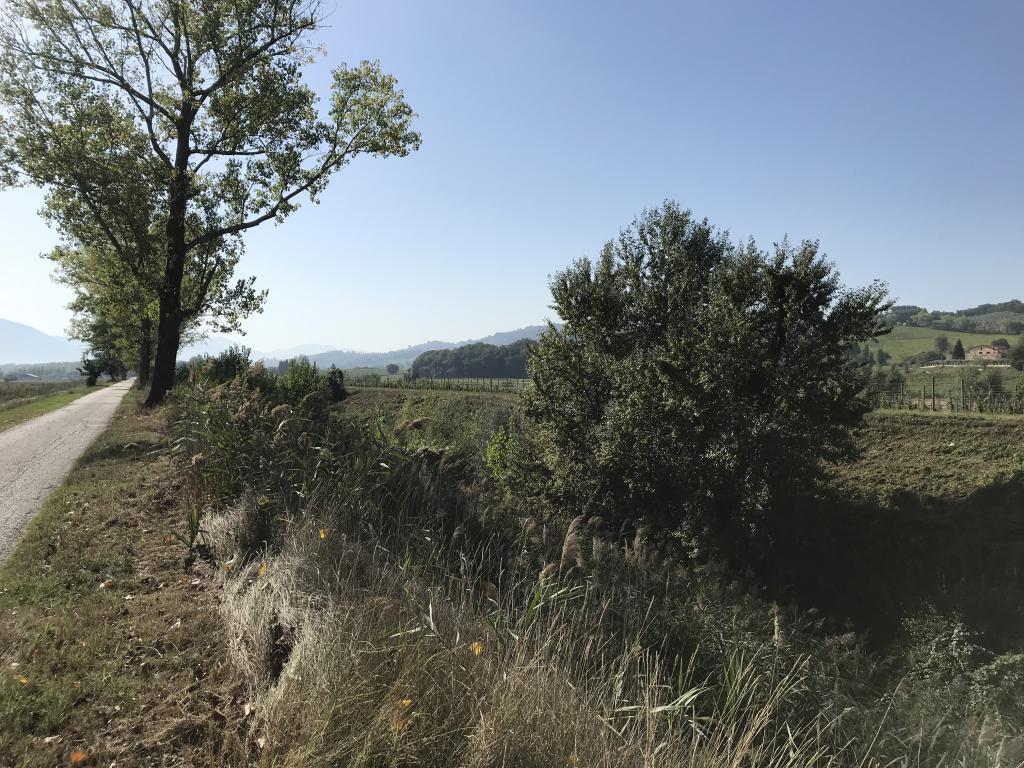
1006	397
448	385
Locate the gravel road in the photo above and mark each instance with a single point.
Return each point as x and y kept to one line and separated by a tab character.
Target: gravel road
36	455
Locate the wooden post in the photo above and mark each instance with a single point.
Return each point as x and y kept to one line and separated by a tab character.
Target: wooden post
963	394
924	393
933	393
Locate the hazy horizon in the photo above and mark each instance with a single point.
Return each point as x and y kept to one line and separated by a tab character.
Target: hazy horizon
768	119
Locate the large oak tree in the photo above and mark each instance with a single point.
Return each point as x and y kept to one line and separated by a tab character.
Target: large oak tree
232	136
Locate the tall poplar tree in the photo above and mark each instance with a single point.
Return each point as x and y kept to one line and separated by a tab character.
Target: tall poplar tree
232	136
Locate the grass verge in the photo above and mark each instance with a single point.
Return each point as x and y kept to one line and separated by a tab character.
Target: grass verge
24	410
110	650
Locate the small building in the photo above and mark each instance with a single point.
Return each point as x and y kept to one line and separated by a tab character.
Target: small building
987	352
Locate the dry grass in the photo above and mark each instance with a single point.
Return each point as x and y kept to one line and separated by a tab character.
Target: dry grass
359	660
108	645
382	614
933	455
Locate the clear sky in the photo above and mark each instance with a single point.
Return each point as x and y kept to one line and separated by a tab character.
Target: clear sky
891	131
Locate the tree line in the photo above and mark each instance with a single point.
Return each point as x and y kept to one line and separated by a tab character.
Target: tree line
162	131
972	320
474	361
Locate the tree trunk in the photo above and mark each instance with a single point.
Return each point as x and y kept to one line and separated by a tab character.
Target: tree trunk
145	351
168	334
168	337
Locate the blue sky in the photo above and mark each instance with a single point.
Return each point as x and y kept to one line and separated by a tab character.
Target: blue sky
889	131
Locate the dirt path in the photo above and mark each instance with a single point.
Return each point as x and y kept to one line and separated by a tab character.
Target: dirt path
35	456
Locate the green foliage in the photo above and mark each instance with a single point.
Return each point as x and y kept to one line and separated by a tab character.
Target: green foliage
99	363
392	369
475	361
1017	355
201	114
958	350
954	672
901	314
301	379
694	379
229	364
335	384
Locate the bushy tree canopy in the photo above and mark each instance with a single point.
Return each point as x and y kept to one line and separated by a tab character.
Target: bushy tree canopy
1017	354
487	361
694	379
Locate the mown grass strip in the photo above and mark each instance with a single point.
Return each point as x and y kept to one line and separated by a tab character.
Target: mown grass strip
108	645
37	406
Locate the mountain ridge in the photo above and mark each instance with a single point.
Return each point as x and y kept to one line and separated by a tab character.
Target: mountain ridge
351	359
22	344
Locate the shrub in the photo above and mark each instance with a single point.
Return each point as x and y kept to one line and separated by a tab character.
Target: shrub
301	379
335	385
1017	354
229	364
693	379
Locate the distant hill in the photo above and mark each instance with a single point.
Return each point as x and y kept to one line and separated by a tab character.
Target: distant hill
906	341
1003	318
405	357
508	337
214	345
302	349
22	344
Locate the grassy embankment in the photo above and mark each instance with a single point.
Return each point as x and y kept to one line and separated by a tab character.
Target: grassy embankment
386	610
362	641
110	649
21	401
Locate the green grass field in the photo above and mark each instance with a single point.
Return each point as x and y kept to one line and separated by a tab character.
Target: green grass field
15	411
11	391
905	341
